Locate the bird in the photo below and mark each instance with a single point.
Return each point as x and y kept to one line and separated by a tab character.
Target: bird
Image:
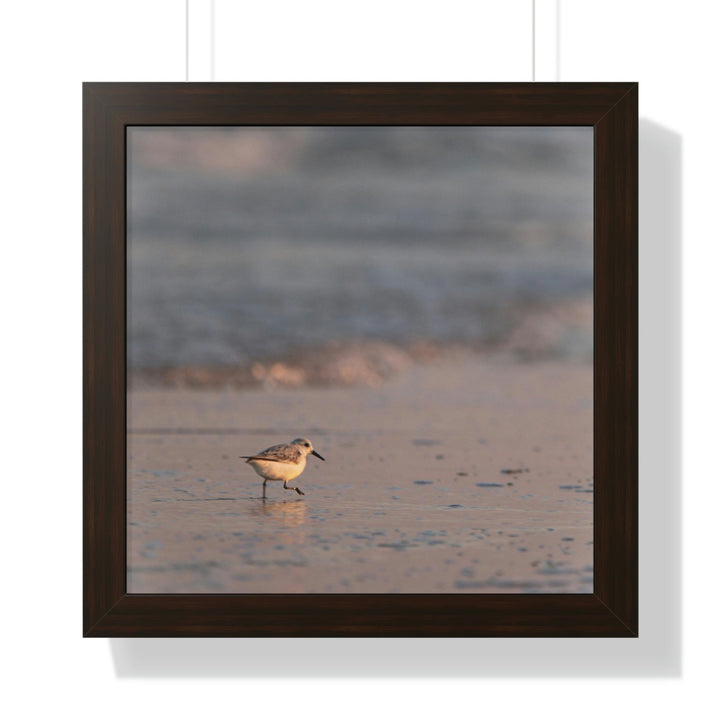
282	462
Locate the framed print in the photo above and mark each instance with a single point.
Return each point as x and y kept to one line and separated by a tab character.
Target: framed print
360	359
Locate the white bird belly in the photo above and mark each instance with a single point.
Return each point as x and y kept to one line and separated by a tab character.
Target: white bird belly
277	470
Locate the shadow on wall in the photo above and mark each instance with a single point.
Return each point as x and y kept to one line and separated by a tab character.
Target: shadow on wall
657	652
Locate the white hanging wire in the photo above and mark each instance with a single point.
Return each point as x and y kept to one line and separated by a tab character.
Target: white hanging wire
211	7
212	40
187	40
533	40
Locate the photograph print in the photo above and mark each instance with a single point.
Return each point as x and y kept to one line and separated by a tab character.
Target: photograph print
359	359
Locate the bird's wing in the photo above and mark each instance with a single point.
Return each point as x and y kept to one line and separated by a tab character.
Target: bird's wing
279	453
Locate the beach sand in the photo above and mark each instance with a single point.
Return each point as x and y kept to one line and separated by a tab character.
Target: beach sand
458	476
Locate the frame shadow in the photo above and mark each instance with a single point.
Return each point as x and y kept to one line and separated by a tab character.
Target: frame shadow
658	650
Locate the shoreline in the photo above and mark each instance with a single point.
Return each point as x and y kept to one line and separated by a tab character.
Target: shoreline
557	332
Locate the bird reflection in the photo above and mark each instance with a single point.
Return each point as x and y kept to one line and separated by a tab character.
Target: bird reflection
288	513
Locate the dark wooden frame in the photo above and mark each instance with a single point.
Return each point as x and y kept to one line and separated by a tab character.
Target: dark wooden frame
611	610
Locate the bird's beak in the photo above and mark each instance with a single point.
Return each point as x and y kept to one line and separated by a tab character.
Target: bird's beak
318	455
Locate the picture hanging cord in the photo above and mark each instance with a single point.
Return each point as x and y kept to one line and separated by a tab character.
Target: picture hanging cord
212	40
533	40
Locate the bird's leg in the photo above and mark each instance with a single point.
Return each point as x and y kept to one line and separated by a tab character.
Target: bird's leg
264	484
296	489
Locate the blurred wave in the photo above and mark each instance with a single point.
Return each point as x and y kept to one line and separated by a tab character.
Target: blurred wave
249	247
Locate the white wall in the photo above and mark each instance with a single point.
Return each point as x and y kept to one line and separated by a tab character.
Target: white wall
48	48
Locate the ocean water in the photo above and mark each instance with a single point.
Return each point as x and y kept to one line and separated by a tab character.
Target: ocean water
249	244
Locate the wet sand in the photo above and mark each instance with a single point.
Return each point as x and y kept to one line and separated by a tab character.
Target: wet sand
461	476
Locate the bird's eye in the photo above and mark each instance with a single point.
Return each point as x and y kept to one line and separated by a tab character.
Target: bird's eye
307	444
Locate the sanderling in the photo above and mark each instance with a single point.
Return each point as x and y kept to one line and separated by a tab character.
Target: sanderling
282	462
